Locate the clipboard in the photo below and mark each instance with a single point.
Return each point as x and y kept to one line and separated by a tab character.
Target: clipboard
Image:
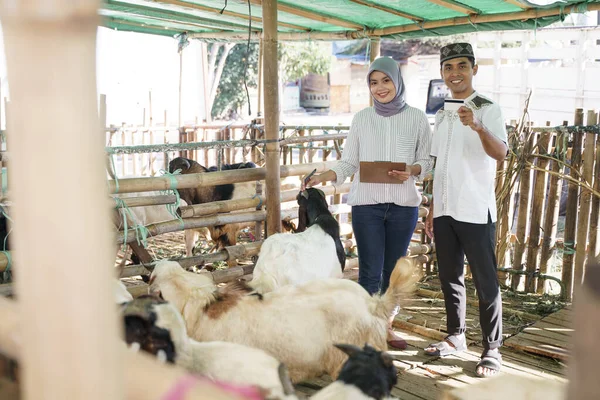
377	171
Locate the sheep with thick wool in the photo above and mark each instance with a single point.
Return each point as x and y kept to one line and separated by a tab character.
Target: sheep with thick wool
158	328
314	253
298	325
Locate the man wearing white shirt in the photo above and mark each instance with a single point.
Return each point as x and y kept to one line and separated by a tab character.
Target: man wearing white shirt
467	143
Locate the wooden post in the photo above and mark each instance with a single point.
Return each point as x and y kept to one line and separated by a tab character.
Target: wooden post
311	152
165	134
595	215
260	78
57	307
571	217
523	213
537	206
302	152
258	226
552	209
583	381
179	104
585	200
273	181
373	54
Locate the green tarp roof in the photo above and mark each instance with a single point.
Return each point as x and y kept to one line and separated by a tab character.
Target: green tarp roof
335	19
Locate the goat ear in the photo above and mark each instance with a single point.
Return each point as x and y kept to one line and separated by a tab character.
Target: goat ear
387	360
349	349
302	218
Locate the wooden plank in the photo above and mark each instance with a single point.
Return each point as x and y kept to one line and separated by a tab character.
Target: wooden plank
561	343
537	348
509	387
421	382
549	327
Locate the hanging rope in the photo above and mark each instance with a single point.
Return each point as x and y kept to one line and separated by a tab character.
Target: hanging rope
172	207
141	232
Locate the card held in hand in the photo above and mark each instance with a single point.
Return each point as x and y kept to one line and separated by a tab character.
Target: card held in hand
377	171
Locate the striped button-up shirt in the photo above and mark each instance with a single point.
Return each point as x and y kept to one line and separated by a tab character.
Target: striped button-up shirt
404	137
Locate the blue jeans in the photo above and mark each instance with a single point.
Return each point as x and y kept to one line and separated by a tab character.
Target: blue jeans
383	233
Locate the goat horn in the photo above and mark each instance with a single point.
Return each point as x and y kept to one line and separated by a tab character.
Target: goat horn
349	349
286	382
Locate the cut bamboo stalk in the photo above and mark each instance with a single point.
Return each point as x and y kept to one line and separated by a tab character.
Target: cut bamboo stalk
524	192
188	181
537	206
273	180
51	55
3	261
595	214
551	216
571	217
585	200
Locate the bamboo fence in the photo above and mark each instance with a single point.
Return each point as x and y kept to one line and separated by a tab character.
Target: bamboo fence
540	162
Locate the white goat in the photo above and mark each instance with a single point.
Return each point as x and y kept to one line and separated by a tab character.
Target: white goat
314	253
368	374
298	325
158	327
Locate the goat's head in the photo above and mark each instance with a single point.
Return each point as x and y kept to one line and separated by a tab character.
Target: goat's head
370	370
171	282
180	163
312	203
151	323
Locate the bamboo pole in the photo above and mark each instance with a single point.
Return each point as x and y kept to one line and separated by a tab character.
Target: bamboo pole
571	217
585	200
187	181
523	213
273	181
595	214
537	206
50	50
260	78
551	213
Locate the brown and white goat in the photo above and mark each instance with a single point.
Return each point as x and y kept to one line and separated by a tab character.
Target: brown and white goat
298	325
158	328
222	235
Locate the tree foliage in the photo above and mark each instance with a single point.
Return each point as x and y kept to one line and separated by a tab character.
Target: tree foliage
295	61
231	93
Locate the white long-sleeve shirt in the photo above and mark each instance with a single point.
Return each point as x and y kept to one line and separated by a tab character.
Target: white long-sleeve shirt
404	137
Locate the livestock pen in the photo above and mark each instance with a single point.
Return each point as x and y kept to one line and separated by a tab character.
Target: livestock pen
62	325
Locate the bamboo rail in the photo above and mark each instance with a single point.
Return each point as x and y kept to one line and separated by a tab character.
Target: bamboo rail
198	210
187	181
143	201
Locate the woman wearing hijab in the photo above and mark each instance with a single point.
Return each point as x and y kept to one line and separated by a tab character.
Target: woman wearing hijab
384	215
